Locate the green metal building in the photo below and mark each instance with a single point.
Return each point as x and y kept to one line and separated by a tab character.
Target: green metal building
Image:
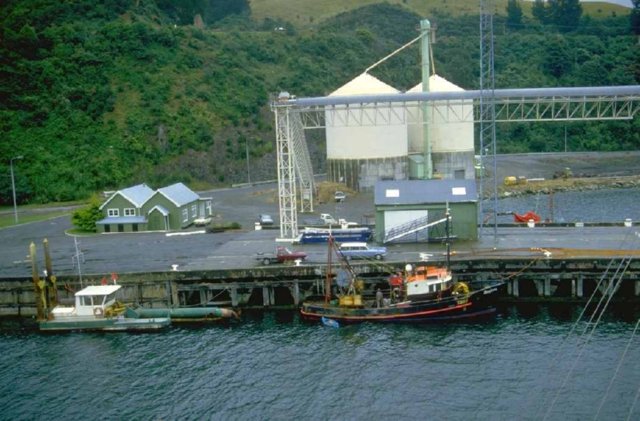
414	210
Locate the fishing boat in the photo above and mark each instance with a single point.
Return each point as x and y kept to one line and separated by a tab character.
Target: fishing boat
321	235
97	309
419	295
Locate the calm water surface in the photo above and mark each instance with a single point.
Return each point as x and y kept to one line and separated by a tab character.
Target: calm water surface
607	205
273	366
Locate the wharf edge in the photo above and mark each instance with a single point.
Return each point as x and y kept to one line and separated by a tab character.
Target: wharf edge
531	275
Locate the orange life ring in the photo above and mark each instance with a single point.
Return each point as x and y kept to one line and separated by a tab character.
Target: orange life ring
98	312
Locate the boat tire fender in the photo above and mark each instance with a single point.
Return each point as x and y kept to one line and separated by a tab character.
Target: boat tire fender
98	312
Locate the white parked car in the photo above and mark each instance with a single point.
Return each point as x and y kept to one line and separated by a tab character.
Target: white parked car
339	196
362	251
265	219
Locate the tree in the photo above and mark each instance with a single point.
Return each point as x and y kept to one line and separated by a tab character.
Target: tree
85	218
565	14
514	14
557	59
539	11
634	17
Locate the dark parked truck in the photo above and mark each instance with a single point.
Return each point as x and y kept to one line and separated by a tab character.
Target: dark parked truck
282	255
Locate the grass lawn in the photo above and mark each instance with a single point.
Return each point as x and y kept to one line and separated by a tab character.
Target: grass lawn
35	213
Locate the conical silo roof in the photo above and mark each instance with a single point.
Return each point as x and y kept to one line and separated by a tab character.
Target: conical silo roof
362	85
437	84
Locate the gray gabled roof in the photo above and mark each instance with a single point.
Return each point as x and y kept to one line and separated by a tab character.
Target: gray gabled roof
136	195
160	209
418	192
179	194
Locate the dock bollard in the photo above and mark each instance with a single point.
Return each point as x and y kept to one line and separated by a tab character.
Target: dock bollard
531	223
258	227
628	222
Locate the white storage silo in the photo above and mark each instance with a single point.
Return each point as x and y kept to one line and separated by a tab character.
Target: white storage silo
451	139
361	154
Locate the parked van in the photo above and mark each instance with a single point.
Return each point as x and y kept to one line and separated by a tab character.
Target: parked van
361	251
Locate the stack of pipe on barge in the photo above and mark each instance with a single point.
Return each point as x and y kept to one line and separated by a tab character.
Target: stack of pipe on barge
321	235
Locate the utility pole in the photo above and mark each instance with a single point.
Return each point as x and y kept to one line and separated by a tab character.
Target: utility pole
246	148
13	187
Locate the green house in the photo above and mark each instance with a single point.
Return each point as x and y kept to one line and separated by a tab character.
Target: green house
414	210
140	208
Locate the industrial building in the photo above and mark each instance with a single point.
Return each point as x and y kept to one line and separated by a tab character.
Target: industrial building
360	155
414	210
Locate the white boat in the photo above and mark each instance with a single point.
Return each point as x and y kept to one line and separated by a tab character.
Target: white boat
96	308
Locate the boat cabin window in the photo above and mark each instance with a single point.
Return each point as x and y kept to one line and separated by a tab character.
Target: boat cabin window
86	300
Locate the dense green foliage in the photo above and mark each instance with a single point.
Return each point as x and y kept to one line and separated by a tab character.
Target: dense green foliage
102	95
86	217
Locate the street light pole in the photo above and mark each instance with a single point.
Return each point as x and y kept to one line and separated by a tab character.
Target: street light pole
13	188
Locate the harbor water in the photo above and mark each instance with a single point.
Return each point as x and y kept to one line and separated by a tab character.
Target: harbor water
524	364
607	205
530	362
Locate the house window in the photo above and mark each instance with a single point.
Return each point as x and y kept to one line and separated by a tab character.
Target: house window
194	211
107	228
134	227
113	212
129	212
185	215
120	227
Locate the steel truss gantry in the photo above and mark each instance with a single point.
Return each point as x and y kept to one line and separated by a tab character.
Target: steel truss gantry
294	166
511	105
294	115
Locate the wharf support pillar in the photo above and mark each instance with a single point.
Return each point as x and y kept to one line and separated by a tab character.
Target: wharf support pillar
513	287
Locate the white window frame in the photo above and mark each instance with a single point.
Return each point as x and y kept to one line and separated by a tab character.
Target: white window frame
113	212
194	210
208	207
185	215
129	212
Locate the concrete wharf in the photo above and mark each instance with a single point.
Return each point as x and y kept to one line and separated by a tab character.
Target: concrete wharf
545	263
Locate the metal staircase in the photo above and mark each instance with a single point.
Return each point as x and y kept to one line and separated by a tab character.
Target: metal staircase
410	227
302	163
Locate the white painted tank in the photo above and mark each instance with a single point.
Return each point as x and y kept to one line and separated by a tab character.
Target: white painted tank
360	154
364	141
450	135
445	135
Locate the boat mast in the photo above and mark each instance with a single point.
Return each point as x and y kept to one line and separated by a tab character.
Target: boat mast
447	226
327	283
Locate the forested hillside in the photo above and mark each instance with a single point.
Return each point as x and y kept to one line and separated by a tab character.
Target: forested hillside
100	95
